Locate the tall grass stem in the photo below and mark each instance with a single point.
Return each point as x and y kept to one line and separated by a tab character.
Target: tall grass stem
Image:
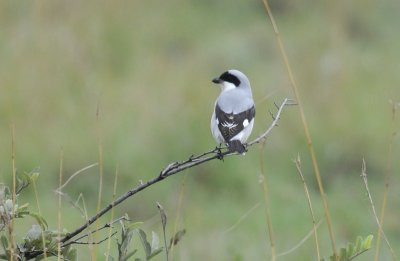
101	166
178	213
387	179
365	179
40	214
305	127
264	186
307	193
60	182
112	213
14	187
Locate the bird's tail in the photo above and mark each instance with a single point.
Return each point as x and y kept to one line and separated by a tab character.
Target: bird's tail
237	146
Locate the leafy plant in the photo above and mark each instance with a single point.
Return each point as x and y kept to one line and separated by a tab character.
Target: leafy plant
353	250
39	241
10	209
151	249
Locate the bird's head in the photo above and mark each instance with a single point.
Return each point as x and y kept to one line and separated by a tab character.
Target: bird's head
232	79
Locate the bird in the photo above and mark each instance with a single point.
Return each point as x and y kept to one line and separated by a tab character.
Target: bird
233	117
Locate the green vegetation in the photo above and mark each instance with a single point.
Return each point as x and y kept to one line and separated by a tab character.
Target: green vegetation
128	85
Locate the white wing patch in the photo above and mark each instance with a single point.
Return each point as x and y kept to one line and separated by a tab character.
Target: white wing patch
229	125
245	123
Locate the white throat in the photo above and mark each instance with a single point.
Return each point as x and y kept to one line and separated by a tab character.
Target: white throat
227	86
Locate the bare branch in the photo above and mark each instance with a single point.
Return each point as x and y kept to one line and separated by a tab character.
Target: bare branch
171	169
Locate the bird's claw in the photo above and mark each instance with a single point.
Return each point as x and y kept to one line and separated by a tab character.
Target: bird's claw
219	153
191	158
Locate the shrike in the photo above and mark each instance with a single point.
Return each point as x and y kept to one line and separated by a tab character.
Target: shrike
233	117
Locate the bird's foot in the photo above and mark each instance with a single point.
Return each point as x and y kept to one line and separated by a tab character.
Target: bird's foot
219	153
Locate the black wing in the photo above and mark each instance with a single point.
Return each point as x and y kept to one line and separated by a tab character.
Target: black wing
230	124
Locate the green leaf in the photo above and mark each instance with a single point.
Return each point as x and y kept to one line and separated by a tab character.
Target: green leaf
134	225
34	175
126	238
121	222
23	207
177	237
109	258
4	242
145	243
22	182
71	255
34	233
154	253
9	206
39	219
359	242
129	255
155	245
65	250
26	179
350	251
155	241
342	255
367	242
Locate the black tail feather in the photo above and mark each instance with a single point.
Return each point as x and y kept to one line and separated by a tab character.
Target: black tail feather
236	146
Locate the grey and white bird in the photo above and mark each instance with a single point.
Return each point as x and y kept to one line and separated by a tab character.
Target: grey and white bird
233	116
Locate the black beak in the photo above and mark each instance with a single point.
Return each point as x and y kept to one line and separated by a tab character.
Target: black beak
216	80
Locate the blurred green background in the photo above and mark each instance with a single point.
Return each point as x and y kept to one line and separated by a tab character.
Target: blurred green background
148	65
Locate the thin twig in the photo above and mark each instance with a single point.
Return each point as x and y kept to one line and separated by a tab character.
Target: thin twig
358	254
170	170
364	177
101	167
42	228
298	167
76	242
107	225
163	216
74	175
301	241
243	217
112	211
60	178
75	203
264	185
178	212
11	232
387	178
274	123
